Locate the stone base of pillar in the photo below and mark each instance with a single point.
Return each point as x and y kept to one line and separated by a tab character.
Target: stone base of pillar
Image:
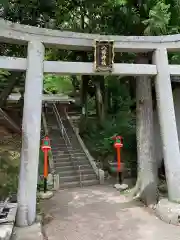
31	232
121	187
168	212
46	195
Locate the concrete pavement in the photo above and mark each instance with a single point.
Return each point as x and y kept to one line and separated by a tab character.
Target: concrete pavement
100	212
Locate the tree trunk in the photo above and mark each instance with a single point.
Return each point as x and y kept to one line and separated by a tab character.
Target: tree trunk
84	94
99	102
75	84
103	93
109	100
146	186
84	80
106	101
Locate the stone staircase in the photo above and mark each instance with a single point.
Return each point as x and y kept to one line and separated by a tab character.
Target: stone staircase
74	117
70	162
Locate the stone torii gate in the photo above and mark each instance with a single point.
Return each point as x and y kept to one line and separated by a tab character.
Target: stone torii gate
37	39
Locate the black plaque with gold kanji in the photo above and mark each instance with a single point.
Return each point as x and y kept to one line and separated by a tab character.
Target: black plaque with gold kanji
104	55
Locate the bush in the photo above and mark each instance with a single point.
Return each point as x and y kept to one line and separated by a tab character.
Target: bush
99	139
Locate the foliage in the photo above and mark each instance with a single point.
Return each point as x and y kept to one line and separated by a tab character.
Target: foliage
57	84
121	99
3	76
159	18
120	121
99	139
28	12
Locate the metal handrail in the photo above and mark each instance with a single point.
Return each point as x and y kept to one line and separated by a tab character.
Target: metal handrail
67	142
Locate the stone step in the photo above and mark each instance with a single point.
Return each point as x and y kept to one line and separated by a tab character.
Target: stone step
70	163
64	169
60	169
77	162
64	152
63	147
82	165
74	113
76	177
63	164
65	158
73	184
56	138
59	157
57	143
59	149
66	185
71	172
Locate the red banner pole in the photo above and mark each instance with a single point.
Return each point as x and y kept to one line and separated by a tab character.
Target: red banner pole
118	159
45	163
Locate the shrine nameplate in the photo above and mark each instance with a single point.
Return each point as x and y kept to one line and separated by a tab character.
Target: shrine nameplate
104	56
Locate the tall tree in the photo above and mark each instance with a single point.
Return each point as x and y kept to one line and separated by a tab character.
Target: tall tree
146	186
152	22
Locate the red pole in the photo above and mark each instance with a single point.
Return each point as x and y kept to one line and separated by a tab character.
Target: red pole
45	163
118	159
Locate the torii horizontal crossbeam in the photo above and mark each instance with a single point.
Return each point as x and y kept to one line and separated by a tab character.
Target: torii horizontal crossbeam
85	68
22	34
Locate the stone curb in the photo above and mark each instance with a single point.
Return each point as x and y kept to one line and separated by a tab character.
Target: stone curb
6	229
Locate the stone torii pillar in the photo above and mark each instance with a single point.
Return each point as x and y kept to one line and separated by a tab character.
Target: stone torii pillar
31	127
167	121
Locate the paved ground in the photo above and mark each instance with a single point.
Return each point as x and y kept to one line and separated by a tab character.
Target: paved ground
100	212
